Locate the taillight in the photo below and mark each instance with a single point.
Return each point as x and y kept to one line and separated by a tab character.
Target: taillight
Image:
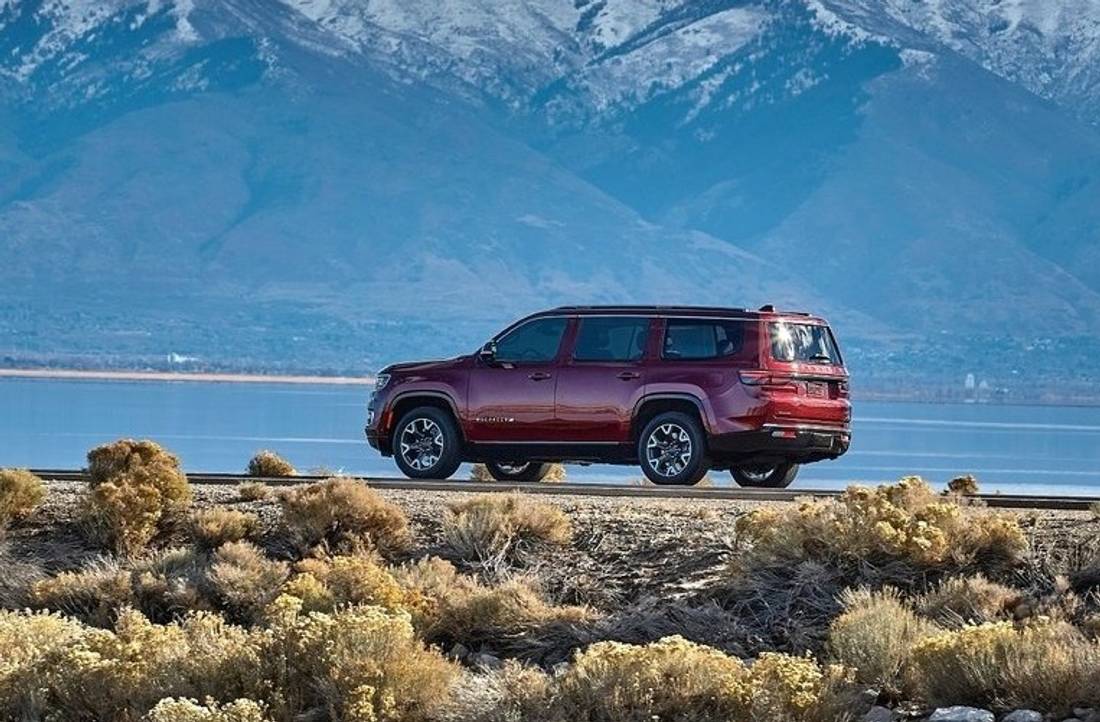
755	378
766	381
842	389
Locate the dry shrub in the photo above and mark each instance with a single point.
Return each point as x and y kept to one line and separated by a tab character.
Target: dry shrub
491	526
20	493
243	580
1043	665
268	465
21	571
95	594
362	663
325	584
480	473
214	526
555	475
344	515
512	693
958	601
254	491
874	637
137	488
1094	508
511	619
904	522
189	710
963	485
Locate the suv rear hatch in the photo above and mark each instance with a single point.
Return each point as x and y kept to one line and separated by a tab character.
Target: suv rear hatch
803	376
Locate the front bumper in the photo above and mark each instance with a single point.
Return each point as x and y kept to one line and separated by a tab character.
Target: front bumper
800	444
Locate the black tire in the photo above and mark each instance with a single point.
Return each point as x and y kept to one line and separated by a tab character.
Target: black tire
531	471
779	476
673	441
438	446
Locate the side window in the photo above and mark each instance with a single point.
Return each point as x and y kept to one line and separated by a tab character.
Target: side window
611	339
533	342
689	339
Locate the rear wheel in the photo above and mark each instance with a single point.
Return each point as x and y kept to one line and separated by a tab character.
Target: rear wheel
672	450
531	471
774	476
426	444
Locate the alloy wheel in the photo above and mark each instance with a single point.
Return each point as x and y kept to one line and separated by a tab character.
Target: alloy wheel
668	449
421	443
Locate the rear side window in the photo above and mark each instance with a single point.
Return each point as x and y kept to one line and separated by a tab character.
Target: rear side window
803	343
532	342
611	339
690	339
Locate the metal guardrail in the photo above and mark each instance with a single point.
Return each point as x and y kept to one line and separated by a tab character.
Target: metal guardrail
1001	501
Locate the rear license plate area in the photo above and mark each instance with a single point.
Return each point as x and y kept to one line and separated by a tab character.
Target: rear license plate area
817	389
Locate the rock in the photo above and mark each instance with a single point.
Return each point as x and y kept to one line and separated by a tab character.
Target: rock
880	714
484	660
459	651
1023	715
961	714
1085	713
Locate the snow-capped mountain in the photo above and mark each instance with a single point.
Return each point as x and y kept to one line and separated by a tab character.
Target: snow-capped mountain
343	171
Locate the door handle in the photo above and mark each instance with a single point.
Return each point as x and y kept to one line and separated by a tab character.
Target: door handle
629	375
538	375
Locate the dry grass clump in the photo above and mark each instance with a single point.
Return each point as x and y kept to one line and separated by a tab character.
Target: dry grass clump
20	493
189	710
344	515
958	601
214	526
137	488
95	594
268	465
875	635
671	680
1042	665
492	526
254	491
904	522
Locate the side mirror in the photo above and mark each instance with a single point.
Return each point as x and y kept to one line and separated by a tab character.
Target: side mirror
488	352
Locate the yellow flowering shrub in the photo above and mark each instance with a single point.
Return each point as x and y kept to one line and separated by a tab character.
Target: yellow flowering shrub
136	487
27	643
324	584
364	663
20	493
189	710
243	580
906	521
674	679
1040	665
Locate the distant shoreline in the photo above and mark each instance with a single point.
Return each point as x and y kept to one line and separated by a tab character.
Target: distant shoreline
73	374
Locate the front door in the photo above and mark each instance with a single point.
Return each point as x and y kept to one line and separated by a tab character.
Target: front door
603	379
511	399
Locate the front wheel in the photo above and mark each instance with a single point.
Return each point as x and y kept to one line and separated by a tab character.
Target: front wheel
530	471
775	476
672	450
426	444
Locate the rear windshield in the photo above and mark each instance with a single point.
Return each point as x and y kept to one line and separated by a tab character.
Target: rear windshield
803	343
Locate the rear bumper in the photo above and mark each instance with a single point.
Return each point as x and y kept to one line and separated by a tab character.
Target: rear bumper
795	443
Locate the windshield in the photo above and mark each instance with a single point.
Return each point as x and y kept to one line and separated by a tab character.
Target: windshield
803	343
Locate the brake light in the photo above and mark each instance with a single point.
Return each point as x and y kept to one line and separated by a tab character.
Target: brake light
755	378
765	381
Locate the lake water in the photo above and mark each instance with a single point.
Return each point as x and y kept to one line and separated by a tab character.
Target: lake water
217	427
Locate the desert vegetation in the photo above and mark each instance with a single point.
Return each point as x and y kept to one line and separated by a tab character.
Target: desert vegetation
267	464
333	601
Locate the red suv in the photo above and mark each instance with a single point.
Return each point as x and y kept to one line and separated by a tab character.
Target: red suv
679	390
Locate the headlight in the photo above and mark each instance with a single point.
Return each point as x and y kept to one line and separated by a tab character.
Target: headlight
380	381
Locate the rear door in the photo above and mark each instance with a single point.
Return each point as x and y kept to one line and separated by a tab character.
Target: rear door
602	379
511	399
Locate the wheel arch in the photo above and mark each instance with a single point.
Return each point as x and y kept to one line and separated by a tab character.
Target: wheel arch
649	406
409	400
